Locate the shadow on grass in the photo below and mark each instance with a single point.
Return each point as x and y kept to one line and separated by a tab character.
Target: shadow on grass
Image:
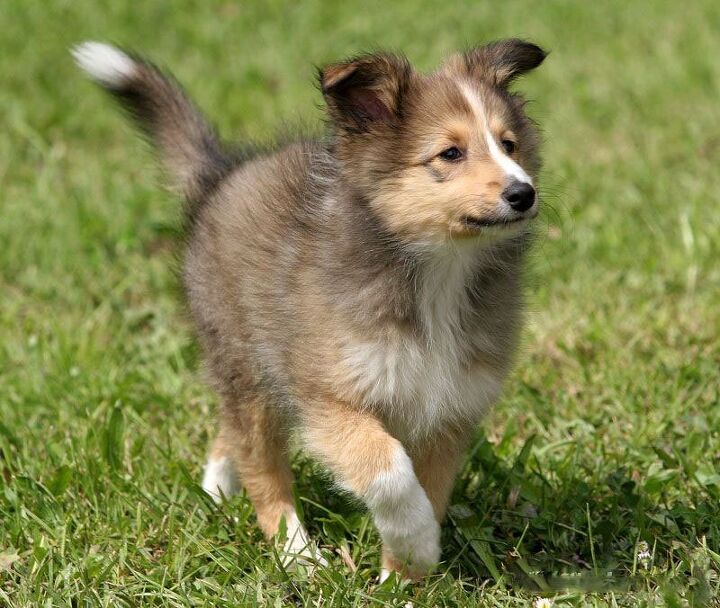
519	525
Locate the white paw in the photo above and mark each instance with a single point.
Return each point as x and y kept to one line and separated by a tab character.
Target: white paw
299	550
416	545
404	517
220	478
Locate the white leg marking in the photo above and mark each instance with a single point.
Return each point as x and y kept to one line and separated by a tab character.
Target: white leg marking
299	549
104	63
506	163
220	477
404	516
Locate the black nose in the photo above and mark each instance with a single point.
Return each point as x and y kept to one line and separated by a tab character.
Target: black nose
519	195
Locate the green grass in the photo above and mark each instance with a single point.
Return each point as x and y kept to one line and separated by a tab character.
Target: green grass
607	438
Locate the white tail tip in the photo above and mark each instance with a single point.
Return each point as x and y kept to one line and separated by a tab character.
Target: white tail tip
104	63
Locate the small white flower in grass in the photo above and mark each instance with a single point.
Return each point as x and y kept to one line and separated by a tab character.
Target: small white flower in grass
543	602
644	556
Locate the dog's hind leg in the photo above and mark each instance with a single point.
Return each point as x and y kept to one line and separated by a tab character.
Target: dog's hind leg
220	478
250	451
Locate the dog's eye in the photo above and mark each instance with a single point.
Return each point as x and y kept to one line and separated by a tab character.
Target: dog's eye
451	154
509	145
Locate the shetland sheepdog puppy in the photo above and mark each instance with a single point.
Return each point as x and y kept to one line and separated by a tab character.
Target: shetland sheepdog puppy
361	292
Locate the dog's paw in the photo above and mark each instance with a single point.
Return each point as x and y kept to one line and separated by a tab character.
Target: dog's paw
413	552
299	550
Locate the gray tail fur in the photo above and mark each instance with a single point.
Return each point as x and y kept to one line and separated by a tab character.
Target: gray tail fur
190	149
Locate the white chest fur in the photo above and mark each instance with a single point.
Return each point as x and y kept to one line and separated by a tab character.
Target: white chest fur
422	382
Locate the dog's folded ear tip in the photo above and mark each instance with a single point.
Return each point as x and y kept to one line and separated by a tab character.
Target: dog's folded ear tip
364	90
333	75
502	61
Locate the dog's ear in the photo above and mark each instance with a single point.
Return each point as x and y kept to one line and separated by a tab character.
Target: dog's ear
502	61
366	91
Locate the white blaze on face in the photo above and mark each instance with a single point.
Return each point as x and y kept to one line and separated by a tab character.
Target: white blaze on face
507	164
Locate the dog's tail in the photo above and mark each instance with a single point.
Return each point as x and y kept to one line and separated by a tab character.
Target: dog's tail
190	149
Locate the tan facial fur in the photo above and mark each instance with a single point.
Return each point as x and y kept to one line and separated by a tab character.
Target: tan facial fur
430	197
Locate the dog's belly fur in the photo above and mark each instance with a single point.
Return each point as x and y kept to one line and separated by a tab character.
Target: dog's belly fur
420	389
445	375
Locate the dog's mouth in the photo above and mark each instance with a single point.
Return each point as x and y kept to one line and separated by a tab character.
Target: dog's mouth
476	223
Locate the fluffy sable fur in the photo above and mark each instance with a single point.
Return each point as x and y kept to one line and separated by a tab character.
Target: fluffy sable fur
362	290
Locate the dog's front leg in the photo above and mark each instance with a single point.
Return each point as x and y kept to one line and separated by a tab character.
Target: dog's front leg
374	466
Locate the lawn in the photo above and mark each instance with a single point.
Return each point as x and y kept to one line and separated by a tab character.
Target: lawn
595	482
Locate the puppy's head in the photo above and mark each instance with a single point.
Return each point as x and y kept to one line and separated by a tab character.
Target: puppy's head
437	156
